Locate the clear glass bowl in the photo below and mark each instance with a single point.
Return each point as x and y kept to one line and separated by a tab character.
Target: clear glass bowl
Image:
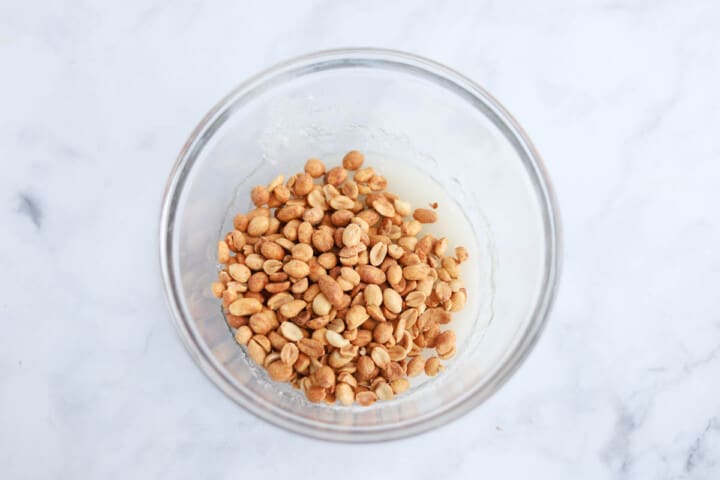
419	113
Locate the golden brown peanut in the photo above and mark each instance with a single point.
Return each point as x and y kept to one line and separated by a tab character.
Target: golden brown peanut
376	313
276	287
318	322
336	176
240	222
451	266
272	250
418	271
302	252
311	348
330	288
303	184
424	245
302	363
300	286
321	305
351	235
228	297
341	218
397	352
350	275
445	342
373	295
363	338
278	300
448	354
380	357
392	300
260	195
316	270
325	377
383	332
263	341
350	189
258	212
223	252
257	281
238	240
254	261
377	183
411	228
344	394
353	160
394	275
243	335
313	215
401	207
292	308
315	168
442	291
371	274
245	306
365	366
316	199
356	316
335	339
277	341
342	202
416	366
327	260
290	230
236	322
288	213
271	266
365	398
400	385
393	371
217	289
458	300
256	352
316	394
276	182
281	194
383	206
291	331
273	226
415	299
424	215
258	225
378	253
322	240
296	269
289	354
461	254
263	322
384	391
305	231
279	371
364	174
433	366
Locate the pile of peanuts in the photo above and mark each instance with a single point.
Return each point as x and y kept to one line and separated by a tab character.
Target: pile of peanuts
331	287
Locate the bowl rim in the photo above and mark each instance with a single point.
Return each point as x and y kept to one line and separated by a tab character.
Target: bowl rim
278	417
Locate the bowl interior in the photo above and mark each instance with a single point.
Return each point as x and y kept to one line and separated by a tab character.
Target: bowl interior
408	114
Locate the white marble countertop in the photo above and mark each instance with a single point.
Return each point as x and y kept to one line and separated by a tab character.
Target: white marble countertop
622	100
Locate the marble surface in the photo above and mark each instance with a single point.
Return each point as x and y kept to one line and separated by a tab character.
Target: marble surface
621	99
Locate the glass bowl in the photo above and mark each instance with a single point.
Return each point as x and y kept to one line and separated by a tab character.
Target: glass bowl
426	118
